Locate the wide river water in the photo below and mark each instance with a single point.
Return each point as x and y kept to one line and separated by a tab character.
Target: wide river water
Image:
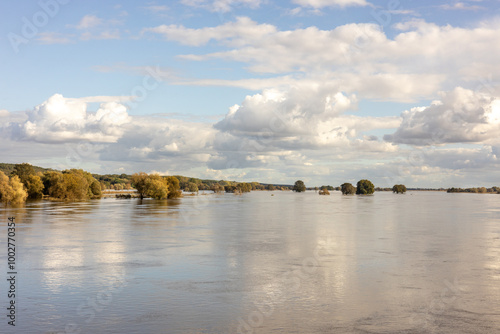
263	262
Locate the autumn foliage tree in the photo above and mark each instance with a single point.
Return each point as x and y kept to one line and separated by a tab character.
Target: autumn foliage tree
365	187
11	189
34	186
299	186
174	189
347	189
156	186
71	185
30	179
399	189
324	191
192	187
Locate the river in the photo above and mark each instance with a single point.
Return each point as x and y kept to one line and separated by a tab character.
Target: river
262	262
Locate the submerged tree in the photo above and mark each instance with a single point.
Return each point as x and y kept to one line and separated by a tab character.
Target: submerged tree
365	187
71	185
347	189
399	189
153	185
139	183
174	188
156	186
217	188
192	187
324	191
244	187
299	186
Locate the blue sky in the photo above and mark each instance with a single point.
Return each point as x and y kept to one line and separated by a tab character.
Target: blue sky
328	91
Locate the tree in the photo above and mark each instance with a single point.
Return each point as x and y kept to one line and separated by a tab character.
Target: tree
95	188
71	185
324	191
19	195
399	189
192	187
75	187
299	186
347	189
365	187
53	183
156	187
271	187
244	187
12	190
31	181
174	188
139	183
92	191
23	170
34	187
217	188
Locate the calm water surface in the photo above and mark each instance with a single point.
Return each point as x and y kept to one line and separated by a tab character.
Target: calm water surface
424	262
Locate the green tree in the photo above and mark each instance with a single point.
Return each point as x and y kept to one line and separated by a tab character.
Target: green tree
365	187
299	186
347	189
271	187
399	189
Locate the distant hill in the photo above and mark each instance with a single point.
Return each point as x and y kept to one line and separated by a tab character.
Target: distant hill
9	168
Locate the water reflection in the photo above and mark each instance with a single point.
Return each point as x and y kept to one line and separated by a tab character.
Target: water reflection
286	263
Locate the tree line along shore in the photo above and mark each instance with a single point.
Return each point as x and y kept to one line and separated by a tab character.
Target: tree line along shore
20	182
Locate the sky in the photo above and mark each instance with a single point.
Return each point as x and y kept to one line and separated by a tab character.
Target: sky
326	91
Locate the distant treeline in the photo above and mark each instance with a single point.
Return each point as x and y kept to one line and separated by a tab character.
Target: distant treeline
19	182
480	190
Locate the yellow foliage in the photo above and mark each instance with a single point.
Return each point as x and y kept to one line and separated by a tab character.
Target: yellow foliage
12	190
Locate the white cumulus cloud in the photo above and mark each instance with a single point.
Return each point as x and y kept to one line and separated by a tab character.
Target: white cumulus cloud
61	120
461	116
